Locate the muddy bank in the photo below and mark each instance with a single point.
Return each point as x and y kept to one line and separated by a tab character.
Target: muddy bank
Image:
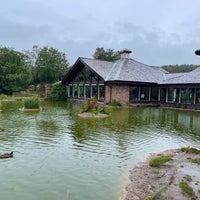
163	182
91	115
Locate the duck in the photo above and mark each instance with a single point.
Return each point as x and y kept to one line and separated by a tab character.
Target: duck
6	155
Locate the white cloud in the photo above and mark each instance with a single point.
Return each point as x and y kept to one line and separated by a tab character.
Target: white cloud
158	32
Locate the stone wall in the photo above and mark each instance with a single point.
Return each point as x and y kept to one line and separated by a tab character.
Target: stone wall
119	93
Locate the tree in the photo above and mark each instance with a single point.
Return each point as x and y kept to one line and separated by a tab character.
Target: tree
108	55
33	55
58	92
51	65
179	68
15	72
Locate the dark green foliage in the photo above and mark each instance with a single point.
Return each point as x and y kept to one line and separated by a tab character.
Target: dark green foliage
31	103
158	161
15	71
51	65
108	55
179	68
58	92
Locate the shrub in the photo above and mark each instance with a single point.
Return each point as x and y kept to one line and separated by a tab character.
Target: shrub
58	92
32	103
158	161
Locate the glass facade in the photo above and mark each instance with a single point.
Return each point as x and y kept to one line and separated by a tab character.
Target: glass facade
86	85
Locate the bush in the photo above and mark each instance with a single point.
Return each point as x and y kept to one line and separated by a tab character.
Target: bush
58	92
158	161
32	103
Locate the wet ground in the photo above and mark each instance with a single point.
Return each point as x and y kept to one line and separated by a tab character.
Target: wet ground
164	181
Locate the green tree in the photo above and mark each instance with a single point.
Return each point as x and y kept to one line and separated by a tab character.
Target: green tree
58	92
108	55
179	68
15	72
32	56
51	65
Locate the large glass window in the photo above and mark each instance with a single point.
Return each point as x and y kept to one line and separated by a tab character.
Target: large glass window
154	94
171	94
186	95
134	94
163	94
87	91
101	92
81	91
197	97
70	91
94	92
144	93
75	91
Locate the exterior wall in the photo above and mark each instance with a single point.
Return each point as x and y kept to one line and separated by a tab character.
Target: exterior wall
119	93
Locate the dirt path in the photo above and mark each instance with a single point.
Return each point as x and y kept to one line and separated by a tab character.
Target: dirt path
163	182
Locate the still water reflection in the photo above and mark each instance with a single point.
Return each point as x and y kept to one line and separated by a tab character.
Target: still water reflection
58	155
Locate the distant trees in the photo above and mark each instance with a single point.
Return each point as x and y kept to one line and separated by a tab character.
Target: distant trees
40	65
48	64
108	54
15	72
179	68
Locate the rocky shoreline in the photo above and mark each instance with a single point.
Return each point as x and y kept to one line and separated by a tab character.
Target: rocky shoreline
159	183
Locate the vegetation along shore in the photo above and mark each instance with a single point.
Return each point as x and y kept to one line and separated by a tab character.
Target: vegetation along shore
172	174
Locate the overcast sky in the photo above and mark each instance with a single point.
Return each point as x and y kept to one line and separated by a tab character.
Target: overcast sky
158	32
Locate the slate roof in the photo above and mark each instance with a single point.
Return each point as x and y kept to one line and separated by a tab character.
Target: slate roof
125	70
192	77
99	66
129	70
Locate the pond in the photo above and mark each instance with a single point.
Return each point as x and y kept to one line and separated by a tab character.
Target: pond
58	155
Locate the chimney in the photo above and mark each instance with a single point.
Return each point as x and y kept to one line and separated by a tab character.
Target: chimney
125	53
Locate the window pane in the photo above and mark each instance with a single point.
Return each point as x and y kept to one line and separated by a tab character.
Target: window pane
144	93
197	100
87	91
134	93
186	95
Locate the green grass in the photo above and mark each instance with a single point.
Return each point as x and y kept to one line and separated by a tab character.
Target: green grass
190	150
158	161
32	103
186	188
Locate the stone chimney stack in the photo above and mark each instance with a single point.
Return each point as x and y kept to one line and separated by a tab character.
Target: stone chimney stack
125	53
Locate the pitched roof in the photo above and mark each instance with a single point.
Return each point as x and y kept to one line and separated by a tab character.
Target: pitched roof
101	67
127	69
131	70
183	78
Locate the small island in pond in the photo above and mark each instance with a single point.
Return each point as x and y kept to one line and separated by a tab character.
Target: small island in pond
92	110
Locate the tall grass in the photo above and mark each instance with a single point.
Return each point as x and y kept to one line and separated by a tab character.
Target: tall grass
32	103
